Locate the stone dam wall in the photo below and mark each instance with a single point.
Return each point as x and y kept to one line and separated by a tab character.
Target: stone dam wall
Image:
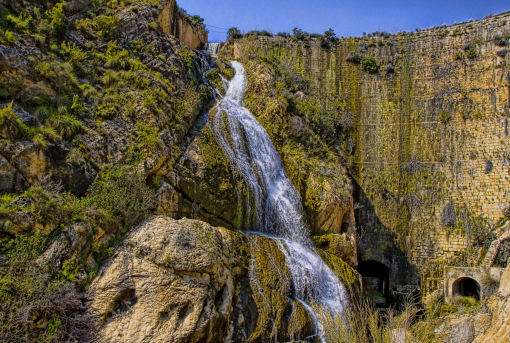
430	149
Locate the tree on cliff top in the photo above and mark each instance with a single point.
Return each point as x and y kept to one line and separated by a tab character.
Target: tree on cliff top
233	33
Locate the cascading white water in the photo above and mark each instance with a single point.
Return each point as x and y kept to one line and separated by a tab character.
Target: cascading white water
212	48
275	204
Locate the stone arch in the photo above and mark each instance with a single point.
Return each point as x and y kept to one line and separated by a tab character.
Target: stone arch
466	287
375	279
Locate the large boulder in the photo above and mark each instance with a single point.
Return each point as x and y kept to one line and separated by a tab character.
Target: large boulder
186	281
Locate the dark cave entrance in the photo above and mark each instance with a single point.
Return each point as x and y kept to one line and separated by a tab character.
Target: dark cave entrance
466	287
375	278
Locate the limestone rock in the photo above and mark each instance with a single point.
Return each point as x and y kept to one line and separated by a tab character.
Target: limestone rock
11	181
499	305
186	281
456	329
172	23
15	56
204	184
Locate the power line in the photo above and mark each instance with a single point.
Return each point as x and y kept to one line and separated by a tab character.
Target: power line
217	27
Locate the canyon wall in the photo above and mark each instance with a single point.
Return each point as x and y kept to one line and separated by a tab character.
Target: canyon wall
173	23
429	151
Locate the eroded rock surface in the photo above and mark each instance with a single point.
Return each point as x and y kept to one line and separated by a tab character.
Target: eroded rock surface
499	304
186	281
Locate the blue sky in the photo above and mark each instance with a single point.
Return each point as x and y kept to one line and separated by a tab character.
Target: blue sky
347	18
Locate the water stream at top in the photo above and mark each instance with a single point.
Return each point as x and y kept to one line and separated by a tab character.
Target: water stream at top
275	204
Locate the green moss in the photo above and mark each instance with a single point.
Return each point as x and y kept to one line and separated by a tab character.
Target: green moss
270	281
347	274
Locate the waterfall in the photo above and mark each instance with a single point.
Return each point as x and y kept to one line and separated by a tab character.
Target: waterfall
275	205
212	48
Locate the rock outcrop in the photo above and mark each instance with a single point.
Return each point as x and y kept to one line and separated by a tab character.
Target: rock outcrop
499	305
173	23
186	281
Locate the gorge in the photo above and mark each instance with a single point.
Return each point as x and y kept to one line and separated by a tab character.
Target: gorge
272	188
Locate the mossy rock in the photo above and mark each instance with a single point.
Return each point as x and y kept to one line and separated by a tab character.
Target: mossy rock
338	245
271	282
345	272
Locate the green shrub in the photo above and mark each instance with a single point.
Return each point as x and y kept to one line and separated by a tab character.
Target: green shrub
471	51
10	125
146	142
35	306
479	230
354	57
21	23
233	33
328	39
506	211
500	40
57	18
369	64
50	208
445	117
123	194
65	125
117	59
103	26
59	74
300	34
7	37
74	55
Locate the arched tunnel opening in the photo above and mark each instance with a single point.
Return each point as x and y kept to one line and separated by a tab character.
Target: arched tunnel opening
466	287
375	278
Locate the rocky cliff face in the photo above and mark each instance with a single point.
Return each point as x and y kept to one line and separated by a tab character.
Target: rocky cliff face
173	23
96	105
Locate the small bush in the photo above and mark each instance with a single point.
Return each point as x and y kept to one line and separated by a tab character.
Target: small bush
354	57
59	74
479	231
502	53
35	306
21	23
7	37
445	117
58	20
300	34
65	125
471	51
10	125
488	166
259	33
328	39
102	26
233	33
369	64
123	194
500	40
506	211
